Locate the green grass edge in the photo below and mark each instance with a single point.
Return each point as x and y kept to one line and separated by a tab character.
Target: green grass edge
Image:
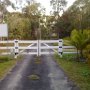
78	72
6	66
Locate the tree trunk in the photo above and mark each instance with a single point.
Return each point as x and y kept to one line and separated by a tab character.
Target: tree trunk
77	55
81	53
82	56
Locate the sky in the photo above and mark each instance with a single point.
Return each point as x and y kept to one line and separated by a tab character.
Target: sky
46	4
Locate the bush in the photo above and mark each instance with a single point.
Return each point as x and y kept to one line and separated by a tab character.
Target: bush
80	41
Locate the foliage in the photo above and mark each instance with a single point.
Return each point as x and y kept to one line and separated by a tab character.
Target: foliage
26	24
87	53
77	16
3	9
58	5
50	26
80	40
63	26
80	14
19	27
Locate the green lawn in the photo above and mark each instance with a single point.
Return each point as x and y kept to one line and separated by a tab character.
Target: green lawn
78	72
6	63
5	67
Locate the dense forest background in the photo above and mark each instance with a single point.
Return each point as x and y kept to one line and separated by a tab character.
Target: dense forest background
32	20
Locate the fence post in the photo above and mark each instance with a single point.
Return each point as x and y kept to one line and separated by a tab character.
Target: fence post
16	48
60	48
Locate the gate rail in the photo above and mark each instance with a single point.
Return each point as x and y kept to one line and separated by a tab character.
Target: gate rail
38	45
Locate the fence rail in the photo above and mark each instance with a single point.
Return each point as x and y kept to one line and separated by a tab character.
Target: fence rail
37	45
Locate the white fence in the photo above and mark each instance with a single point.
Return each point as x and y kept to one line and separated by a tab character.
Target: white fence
36	47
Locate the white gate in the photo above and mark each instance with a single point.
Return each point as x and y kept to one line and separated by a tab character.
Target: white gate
39	47
35	47
50	46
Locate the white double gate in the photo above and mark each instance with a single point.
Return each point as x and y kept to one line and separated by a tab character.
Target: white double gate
35	47
38	47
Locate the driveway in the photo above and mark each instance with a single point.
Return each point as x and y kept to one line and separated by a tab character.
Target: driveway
51	76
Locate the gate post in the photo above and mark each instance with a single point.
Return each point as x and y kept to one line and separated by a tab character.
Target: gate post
16	48
38	47
60	48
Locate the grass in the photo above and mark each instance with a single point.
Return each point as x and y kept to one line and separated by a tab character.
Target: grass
5	67
78	72
6	63
34	77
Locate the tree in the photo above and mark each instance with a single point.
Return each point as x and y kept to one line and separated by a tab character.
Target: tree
50	26
3	8
33	12
19	27
58	5
80	40
76	17
80	11
63	26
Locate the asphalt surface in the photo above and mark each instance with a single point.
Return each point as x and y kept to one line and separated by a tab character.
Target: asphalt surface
51	76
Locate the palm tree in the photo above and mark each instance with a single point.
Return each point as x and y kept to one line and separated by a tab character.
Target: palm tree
80	41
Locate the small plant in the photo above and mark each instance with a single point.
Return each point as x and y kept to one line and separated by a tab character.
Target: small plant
34	77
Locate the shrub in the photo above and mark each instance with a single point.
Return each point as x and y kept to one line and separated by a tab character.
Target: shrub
80	41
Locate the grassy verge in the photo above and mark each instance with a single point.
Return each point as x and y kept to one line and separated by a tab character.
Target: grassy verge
78	72
6	63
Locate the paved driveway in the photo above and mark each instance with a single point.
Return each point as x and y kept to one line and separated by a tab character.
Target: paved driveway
51	76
